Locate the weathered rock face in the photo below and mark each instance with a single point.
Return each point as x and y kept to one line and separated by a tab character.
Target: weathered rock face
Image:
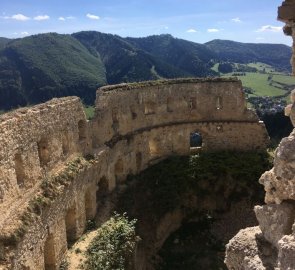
54	164
272	244
286	14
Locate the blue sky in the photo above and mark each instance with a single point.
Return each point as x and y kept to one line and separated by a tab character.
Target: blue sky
196	20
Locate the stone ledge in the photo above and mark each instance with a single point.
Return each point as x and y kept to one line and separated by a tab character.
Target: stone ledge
138	85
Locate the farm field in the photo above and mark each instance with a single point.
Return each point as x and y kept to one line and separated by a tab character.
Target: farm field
265	82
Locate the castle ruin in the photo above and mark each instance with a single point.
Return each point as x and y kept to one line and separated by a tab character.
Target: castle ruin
55	164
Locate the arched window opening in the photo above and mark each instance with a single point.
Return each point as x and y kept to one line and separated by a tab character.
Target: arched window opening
49	253
219	103
82	130
149	107
196	142
43	151
19	170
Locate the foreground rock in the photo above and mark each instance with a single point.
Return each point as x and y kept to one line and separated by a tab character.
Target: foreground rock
272	244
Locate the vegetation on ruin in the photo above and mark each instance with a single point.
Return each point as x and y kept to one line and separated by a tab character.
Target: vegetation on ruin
229	174
113	246
89	111
50	188
200	185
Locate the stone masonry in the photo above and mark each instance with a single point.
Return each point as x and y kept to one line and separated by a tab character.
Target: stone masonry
286	14
55	164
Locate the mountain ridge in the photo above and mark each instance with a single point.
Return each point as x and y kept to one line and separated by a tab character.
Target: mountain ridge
36	68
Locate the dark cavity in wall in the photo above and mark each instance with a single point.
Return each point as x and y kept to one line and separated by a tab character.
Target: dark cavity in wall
19	170
82	130
43	151
49	253
71	226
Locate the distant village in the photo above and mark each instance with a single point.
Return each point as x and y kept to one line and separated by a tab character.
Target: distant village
267	105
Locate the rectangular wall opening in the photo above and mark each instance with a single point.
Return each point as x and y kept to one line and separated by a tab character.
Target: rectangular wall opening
71	225
196	142
43	151
65	143
149	107
193	103
133	112
90	204
49	254
138	161
19	170
154	148
219	104
82	130
170	104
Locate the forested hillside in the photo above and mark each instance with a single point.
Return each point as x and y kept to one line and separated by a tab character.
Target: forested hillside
36	68
276	55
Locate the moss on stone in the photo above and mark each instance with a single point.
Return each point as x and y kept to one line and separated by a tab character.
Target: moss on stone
50	189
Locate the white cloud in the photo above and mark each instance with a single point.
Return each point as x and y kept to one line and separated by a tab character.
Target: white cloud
212	30
269	28
41	18
92	17
66	18
18	17
236	20
259	38
24	33
191	30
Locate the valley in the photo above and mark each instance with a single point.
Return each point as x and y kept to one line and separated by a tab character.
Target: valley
37	68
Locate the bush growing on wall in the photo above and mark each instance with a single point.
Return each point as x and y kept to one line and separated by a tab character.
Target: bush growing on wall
114	245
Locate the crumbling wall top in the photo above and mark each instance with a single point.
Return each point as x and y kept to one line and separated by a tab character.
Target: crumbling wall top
138	85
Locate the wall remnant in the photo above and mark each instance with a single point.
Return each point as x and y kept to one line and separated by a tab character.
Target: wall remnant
271	245
56	167
286	14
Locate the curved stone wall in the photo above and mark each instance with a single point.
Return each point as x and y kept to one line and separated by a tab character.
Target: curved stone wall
54	163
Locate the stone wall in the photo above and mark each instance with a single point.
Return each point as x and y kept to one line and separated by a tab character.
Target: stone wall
286	14
271	245
55	164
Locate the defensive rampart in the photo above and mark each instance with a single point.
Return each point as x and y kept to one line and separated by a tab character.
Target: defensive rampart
55	165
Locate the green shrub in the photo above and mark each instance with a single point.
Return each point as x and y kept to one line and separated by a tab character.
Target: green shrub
113	246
